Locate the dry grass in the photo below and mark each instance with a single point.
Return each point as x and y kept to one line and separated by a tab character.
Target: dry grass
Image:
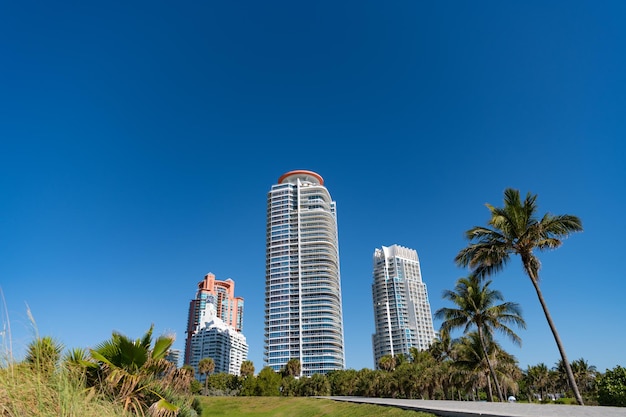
25	393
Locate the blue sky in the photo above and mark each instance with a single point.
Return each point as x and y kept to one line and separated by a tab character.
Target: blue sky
139	140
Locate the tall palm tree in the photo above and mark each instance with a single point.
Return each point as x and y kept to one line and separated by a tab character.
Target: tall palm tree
585	374
515	229
206	366
537	381
476	307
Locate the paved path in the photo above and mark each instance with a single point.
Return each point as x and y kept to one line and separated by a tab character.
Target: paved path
485	409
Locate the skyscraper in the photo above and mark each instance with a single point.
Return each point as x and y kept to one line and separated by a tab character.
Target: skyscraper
219	341
401	309
303	316
225	306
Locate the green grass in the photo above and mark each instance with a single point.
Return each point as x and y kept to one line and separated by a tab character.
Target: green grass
295	407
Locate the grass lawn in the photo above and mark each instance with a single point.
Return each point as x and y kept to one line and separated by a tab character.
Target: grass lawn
296	407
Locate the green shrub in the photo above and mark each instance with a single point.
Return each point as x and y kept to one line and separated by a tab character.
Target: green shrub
612	387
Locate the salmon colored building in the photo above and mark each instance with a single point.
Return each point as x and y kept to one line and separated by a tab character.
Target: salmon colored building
227	307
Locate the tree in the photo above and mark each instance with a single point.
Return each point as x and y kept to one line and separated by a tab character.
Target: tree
195	387
343	382
612	387
43	355
131	372
222	383
292	368
476	307
537	381
515	229
247	369
267	383
316	384
206	366
441	347
584	374
387	363
472	364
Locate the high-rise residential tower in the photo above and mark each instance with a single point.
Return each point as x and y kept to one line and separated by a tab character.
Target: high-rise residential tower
303	315
225	306
401	309
219	341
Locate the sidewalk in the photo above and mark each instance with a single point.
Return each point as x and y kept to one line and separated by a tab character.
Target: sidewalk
485	409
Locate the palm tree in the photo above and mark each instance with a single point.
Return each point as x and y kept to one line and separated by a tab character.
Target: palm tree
206	366
441	347
129	370
247	368
585	374
387	363
537	381
43	354
472	364
292	368
476	307
516	230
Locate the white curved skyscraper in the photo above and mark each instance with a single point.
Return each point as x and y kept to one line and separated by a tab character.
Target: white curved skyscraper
303	315
401	308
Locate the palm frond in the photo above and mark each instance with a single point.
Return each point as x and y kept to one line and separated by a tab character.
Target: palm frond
560	225
99	357
548	243
146	340
133	355
161	346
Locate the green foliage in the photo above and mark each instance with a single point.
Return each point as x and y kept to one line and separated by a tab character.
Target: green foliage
268	382
43	355
136	375
292	368
343	382
223	384
315	385
290	387
195	386
387	363
612	387
248	386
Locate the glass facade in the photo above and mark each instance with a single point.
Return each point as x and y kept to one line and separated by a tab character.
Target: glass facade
402	315
303	316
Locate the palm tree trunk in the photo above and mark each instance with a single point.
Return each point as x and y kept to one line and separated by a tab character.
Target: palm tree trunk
491	370
489	389
557	339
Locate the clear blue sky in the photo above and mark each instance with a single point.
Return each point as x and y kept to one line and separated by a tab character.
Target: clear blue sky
139	140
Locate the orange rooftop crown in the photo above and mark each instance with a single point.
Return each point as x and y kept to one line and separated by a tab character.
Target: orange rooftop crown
303	174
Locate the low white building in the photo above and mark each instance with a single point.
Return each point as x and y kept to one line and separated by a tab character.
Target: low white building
219	341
